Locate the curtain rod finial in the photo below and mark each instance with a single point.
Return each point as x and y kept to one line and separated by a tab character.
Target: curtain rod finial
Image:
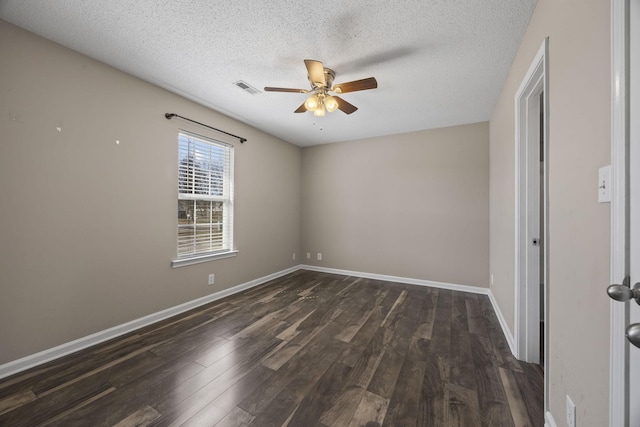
169	116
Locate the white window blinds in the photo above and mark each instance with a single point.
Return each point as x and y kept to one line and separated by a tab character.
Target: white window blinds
205	196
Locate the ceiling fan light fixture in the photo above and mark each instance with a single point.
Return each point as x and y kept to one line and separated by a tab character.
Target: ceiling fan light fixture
312	102
331	103
319	111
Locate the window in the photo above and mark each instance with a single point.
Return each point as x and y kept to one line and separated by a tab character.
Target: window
205	199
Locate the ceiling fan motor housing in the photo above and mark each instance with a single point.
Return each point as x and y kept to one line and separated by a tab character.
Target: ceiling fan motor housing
329	75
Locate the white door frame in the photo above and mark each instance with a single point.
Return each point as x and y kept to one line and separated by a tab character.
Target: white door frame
618	379
527	172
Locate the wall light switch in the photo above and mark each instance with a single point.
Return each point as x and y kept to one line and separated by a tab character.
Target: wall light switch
604	184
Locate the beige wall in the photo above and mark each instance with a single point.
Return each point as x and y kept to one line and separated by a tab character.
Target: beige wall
88	227
579	129
410	205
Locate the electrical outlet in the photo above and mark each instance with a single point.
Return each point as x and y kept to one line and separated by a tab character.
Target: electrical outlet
491	280
319	256
308	255
212	279
293	257
571	413
604	184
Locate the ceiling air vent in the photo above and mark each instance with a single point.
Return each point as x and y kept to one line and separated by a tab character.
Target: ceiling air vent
246	87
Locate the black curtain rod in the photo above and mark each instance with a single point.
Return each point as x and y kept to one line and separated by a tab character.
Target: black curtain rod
170	116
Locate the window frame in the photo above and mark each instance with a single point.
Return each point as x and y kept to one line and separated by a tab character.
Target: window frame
227	249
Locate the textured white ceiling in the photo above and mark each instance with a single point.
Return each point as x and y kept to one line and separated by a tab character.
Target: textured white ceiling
438	62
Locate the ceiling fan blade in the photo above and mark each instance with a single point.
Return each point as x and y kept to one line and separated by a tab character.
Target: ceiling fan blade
316	72
364	84
284	89
301	109
344	106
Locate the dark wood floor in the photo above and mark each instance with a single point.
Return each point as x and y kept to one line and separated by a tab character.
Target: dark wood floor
308	349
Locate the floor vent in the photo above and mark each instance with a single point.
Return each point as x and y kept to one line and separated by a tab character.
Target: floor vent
246	87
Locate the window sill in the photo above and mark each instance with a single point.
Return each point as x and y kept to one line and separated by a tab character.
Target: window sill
183	262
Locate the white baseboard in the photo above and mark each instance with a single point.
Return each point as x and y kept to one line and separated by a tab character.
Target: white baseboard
549	421
396	279
48	355
503	324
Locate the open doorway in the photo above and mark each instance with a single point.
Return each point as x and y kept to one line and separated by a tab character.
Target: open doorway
531	213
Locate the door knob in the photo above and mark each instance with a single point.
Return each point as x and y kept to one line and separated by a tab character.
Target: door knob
633	334
624	293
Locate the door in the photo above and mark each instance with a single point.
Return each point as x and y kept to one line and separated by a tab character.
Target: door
634	198
625	213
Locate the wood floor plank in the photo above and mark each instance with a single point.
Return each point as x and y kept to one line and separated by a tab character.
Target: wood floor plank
398	302
224	404
462	365
255	380
23	381
309	361
14	401
141	418
494	406
267	323
349	397
187	399
441	333
291	396
371	411
464	409
236	418
531	385
433	409
404	403
362	339
69	378
293	330
309	329
501	348
476	322
483	352
224	350
384	380
186	343
321	396
150	389
50	408
427	314
514	397
54	420
347	334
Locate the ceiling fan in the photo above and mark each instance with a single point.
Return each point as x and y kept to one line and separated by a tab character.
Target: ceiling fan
321	79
